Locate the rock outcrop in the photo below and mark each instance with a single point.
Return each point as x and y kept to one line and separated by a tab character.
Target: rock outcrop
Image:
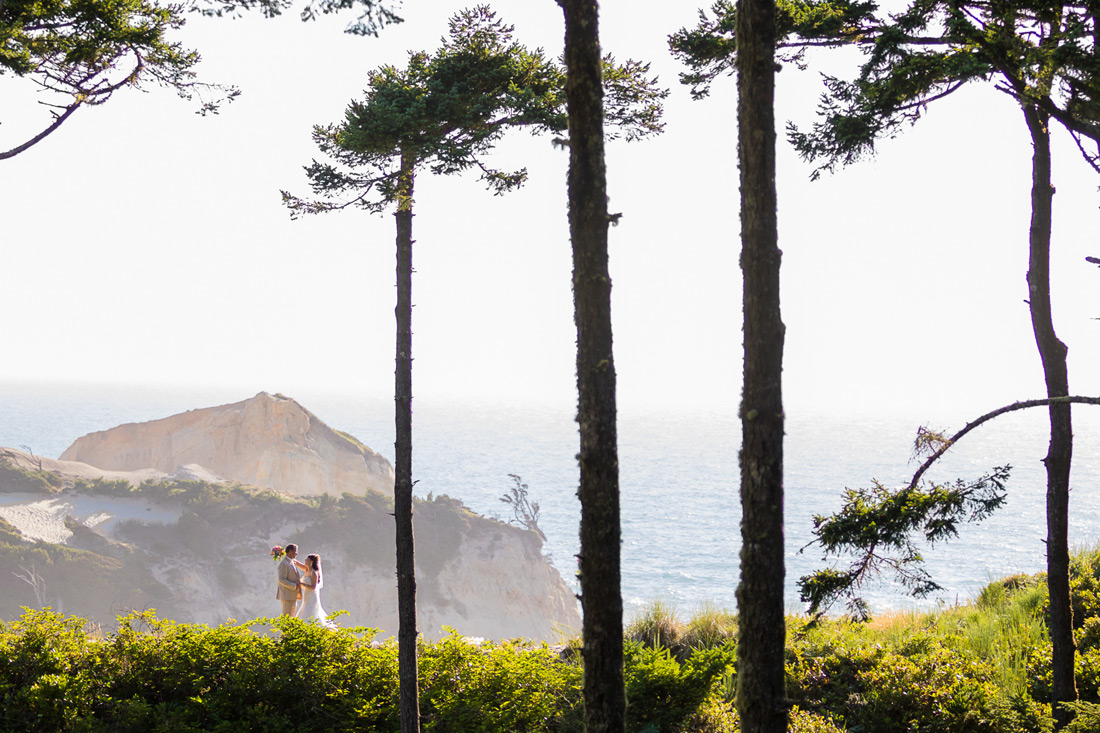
268	441
197	551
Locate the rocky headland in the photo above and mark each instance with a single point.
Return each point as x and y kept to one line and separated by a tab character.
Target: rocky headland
179	515
269	441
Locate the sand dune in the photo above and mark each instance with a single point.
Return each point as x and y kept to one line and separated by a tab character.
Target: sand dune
39	518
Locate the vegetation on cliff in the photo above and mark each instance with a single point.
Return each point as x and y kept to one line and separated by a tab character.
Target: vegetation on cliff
16	479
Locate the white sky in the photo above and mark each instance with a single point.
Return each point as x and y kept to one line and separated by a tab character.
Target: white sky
143	243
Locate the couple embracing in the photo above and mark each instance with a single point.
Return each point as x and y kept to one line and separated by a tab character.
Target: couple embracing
294	585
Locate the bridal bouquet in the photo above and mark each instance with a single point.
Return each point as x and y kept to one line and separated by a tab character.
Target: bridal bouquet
277	553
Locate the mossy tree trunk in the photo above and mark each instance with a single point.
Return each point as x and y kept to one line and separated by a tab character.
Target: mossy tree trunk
761	693
403	483
601	597
1060	451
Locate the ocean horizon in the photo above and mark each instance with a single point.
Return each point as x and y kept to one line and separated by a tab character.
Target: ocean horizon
678	478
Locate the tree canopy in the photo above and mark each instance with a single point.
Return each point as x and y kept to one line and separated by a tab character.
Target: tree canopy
448	109
372	17
444	110
1039	53
80	52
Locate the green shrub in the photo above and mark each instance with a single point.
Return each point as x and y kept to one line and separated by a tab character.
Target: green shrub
450	521
823	666
485	688
1039	676
935	692
1088	635
802	721
167	676
1087	672
908	676
974	669
53	675
102	487
997	592
714	715
718	716
662	693
1085	586
1086	717
16	480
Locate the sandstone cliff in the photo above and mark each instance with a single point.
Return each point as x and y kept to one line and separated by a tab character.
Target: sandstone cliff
131	519
198	553
268	441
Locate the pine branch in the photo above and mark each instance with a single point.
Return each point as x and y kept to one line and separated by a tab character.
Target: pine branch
58	120
875	522
989	416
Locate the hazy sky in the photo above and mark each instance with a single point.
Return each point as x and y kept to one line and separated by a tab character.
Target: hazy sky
143	243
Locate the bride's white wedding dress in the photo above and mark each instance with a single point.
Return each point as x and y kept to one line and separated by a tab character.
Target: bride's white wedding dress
311	603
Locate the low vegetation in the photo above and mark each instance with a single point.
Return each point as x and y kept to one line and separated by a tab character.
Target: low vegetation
980	668
15	479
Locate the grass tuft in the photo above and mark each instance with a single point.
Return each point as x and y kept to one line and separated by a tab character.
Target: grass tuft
656	626
710	627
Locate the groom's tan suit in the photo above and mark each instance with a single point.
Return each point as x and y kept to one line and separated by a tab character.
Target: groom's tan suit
288	591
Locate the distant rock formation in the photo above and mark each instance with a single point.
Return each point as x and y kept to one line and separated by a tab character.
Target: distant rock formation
197	551
268	441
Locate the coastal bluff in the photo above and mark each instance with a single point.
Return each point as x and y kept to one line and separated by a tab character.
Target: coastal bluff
269	441
180	515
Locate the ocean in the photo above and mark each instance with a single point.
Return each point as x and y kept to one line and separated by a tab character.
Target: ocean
678	478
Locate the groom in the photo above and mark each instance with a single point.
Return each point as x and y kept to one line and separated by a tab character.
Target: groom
290	580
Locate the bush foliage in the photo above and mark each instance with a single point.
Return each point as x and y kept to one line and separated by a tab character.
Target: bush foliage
981	668
15	479
285	675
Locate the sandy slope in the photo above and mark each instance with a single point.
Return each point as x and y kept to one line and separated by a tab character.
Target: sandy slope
76	470
43	518
39	518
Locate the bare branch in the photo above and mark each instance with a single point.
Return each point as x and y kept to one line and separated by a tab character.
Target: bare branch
42	135
525	512
989	416
35	581
925	101
1093	159
35	459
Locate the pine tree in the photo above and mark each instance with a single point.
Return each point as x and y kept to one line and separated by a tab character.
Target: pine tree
445	111
1043	55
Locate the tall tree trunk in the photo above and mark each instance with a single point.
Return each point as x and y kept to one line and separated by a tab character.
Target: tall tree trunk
601	597
761	694
403	483
1053	354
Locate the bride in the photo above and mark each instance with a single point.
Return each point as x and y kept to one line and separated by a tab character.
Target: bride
312	582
